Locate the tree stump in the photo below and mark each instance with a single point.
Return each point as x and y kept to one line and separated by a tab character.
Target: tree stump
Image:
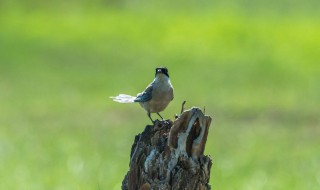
169	155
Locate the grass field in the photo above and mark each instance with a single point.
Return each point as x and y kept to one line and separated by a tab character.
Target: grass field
255	67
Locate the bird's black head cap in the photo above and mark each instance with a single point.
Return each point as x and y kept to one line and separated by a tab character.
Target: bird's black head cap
162	70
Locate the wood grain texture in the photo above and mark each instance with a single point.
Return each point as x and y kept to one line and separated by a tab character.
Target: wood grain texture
169	155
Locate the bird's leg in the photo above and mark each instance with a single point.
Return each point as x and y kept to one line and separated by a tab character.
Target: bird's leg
160	116
149	115
163	119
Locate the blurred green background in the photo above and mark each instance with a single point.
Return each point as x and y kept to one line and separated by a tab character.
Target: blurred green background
254	65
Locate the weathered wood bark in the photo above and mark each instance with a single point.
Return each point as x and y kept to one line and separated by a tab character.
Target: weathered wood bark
169	155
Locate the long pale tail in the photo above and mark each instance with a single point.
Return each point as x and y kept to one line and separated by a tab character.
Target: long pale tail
123	98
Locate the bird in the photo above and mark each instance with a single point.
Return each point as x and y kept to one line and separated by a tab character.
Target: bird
156	97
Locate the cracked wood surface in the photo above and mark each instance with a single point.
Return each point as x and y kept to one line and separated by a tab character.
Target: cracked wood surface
169	155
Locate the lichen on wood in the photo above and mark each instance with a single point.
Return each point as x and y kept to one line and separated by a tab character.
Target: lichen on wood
169	155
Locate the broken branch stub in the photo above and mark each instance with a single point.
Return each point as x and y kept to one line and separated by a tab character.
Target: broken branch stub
169	155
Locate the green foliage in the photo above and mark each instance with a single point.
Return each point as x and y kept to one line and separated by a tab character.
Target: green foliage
255	70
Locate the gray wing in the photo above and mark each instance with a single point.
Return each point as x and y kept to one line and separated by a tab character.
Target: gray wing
146	95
